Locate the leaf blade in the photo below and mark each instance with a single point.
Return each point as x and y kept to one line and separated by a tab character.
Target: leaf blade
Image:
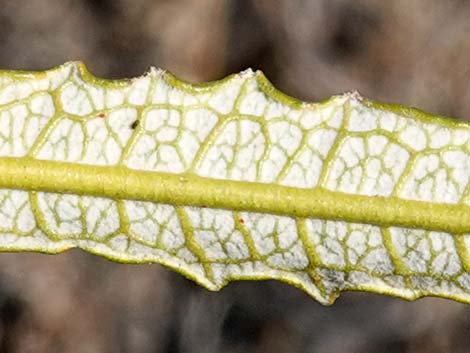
234	180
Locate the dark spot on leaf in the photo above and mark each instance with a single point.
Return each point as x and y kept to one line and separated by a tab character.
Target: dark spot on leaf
102	115
135	124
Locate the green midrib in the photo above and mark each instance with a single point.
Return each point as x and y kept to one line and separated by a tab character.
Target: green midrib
119	182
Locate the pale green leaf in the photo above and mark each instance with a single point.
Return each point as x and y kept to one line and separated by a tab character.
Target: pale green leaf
234	180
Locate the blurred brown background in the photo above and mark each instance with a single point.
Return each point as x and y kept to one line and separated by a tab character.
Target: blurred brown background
415	52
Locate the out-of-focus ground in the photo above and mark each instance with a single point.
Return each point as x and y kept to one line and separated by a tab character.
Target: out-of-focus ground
414	52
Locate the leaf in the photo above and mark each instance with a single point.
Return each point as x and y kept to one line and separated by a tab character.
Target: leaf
234	180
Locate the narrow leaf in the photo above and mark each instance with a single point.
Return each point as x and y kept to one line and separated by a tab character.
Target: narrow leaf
234	180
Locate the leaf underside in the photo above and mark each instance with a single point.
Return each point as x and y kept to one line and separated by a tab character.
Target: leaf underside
234	180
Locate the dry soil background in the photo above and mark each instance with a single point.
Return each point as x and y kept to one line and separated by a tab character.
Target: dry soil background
416	52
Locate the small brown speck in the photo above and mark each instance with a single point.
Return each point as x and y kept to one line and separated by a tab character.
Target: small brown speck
241	220
134	124
102	115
